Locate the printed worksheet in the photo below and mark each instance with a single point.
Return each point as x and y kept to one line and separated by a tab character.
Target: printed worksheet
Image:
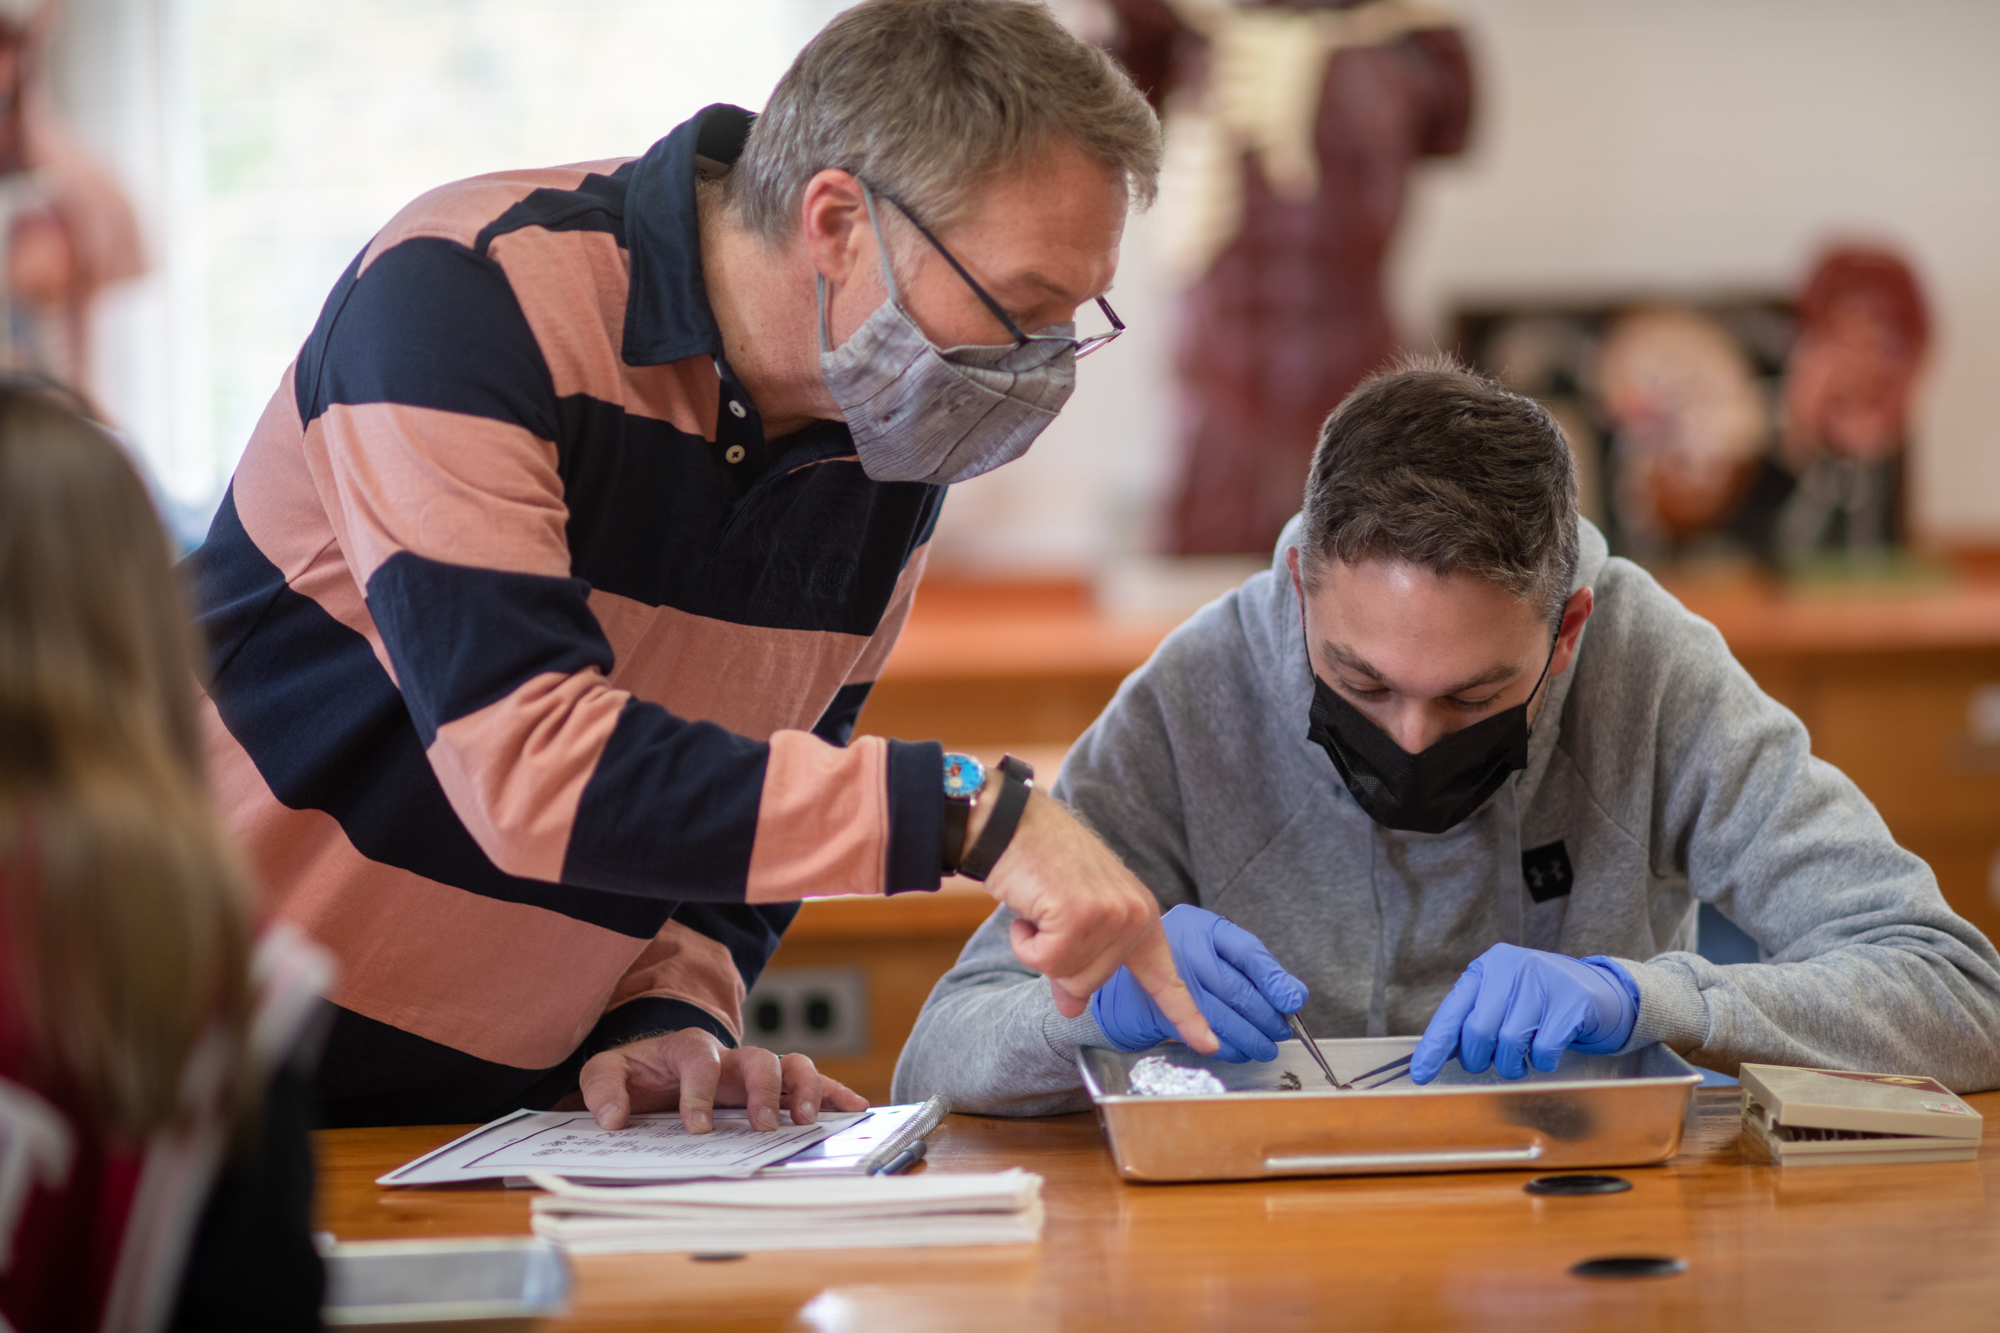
576	1146
652	1147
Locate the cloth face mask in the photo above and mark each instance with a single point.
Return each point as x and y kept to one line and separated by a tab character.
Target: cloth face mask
1431	791
919	412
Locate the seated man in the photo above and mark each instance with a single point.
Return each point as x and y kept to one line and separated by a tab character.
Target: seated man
1399	761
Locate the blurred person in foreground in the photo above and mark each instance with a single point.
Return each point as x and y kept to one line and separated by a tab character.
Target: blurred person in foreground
549	588
1401	761
153	1106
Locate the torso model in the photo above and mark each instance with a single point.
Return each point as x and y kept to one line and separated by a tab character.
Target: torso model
1290	130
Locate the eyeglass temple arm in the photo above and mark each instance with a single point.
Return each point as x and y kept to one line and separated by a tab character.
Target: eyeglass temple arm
1117	324
951	259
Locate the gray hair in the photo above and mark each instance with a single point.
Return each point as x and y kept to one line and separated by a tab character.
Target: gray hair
928	99
1434	465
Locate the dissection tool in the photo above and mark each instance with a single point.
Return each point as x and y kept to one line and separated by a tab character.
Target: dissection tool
1312	1047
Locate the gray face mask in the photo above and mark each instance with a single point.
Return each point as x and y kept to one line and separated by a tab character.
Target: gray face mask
919	412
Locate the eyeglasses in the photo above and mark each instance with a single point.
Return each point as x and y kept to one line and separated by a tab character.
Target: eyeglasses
1084	346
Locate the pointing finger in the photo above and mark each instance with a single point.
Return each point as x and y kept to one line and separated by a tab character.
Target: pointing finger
1152	964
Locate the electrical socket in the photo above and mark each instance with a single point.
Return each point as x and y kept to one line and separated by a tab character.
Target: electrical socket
812	1010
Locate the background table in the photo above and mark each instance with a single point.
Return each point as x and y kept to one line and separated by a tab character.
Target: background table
1902	1247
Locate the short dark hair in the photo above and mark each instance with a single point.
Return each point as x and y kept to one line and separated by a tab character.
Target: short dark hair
1435	465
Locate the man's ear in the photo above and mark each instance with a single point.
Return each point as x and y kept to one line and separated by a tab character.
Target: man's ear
1575	612
833	222
1298	587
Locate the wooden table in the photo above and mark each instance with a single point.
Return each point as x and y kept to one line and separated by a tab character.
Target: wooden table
1874	1247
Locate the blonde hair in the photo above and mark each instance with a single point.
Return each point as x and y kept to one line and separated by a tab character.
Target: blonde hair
929	99
126	907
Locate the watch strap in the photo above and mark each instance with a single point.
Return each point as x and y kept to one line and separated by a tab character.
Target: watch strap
957	813
1017	779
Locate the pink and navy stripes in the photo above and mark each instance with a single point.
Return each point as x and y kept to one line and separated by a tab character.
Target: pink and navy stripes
534	665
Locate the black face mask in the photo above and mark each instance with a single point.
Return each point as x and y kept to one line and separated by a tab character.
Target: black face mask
1427	792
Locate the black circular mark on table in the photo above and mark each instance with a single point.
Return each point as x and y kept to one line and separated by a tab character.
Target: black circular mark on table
1579	1184
715	1258
1630	1265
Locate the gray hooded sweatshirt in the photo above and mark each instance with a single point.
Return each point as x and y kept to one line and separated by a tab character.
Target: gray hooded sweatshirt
1668	779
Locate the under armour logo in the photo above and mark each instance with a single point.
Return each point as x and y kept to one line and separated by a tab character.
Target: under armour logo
1546	870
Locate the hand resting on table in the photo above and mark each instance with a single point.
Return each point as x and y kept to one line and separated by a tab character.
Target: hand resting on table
690	1071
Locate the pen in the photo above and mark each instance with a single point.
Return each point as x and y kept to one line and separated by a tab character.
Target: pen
904	1160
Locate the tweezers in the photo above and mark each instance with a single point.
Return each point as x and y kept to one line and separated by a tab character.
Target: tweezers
1398	1068
1312	1048
1401	1066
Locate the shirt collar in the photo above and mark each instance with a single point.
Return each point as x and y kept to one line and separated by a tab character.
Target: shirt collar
667	317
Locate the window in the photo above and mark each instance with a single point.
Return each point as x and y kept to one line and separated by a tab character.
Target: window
267	140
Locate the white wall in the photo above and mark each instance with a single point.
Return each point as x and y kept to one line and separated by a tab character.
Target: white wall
1622	145
264	141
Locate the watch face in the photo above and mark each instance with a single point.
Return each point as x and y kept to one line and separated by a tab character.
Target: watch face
963	776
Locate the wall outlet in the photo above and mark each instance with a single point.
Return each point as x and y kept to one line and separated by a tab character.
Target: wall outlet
811	1010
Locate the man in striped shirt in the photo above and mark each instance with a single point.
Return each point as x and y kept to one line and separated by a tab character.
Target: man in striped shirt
547	591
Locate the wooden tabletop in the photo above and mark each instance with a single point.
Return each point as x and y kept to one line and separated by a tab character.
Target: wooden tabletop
1873	1247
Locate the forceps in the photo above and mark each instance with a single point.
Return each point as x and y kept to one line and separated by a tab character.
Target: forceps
1400	1065
1312	1048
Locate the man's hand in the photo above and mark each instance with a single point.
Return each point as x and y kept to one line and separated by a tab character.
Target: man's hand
1241	989
1079	914
692	1071
1513	1005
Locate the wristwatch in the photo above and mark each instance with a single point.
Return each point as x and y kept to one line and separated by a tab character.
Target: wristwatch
964	779
1017	779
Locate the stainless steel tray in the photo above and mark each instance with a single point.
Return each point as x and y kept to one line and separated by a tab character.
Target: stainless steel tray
1592	1111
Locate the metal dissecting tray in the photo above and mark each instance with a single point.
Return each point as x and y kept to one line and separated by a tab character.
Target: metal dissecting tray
1593	1111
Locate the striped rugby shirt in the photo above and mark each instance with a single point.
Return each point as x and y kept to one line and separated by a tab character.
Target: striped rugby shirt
533	671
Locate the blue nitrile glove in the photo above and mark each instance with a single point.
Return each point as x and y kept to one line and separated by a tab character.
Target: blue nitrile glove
1514	1004
1241	990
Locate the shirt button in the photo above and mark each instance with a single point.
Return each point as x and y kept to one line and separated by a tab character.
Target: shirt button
736	410
734	453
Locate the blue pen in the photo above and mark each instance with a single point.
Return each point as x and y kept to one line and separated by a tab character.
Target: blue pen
904	1160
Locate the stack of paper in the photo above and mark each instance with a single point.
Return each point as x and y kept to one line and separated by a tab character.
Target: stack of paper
739	1216
1832	1117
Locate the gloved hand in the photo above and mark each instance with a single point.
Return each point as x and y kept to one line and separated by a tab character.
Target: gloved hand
1239	987
1514	1004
